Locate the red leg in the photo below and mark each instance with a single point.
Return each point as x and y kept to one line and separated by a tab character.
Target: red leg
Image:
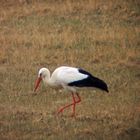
79	98
62	109
74	103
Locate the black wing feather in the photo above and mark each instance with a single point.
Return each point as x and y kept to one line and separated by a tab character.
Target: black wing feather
90	81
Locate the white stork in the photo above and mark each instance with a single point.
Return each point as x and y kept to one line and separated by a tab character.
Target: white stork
71	79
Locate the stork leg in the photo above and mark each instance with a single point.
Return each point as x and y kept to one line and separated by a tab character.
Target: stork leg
75	102
72	104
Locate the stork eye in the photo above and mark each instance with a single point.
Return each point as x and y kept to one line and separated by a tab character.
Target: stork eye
40	74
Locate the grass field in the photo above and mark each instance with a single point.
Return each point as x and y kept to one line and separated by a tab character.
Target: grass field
100	36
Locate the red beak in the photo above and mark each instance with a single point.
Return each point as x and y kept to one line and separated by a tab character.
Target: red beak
37	83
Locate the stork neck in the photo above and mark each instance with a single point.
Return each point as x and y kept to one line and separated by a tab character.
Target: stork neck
49	81
46	77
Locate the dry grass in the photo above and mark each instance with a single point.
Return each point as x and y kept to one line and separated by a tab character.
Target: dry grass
100	36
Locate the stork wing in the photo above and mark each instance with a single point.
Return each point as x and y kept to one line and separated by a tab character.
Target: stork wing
69	75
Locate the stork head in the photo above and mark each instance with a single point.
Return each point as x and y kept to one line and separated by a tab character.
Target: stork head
42	75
